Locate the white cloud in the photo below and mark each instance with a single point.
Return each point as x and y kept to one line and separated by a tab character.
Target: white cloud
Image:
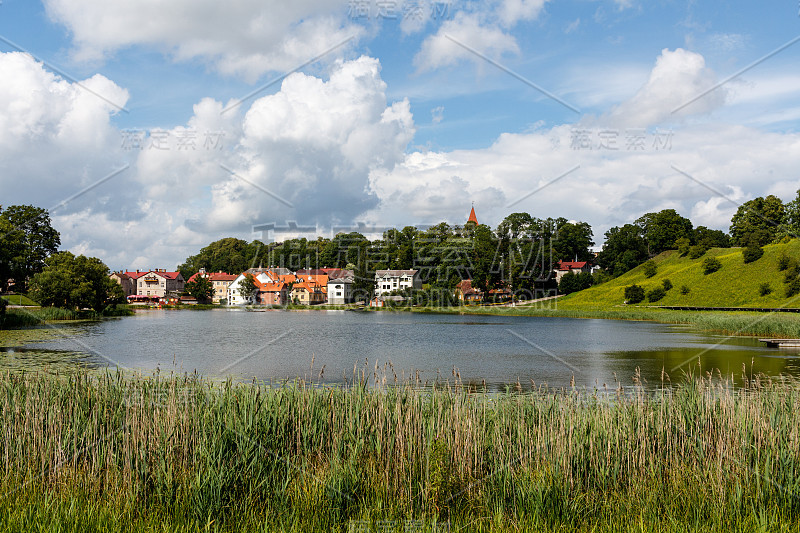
673	91
572	26
511	12
437	114
443	49
312	145
248	37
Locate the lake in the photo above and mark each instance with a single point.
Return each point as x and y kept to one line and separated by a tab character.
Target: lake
277	345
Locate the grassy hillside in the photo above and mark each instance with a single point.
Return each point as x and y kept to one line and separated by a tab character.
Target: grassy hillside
734	285
19	299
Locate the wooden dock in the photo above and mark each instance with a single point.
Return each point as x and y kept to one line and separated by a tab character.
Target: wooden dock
781	343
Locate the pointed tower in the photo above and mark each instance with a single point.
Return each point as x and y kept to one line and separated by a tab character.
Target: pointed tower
472	217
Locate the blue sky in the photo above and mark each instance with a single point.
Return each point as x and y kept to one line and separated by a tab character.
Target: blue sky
408	122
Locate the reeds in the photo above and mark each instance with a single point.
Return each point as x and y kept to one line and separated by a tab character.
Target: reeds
142	452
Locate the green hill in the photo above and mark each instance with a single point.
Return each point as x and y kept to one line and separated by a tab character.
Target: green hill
19	299
736	284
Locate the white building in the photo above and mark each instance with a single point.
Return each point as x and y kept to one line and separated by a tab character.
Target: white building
235	296
340	291
387	281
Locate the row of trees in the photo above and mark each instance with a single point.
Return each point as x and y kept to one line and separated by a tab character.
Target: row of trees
27	238
29	256
522	250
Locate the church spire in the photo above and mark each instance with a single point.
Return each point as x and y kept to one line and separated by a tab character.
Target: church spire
472	217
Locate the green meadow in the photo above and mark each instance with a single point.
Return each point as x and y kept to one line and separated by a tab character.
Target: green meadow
735	284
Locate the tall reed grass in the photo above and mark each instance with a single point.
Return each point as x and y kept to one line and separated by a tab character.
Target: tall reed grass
123	452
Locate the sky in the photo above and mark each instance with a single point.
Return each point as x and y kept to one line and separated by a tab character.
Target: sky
151	128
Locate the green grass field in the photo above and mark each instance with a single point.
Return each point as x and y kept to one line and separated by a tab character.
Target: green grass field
19	299
735	285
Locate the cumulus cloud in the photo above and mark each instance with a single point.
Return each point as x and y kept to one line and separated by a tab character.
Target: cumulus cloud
447	46
674	89
56	137
311	146
248	37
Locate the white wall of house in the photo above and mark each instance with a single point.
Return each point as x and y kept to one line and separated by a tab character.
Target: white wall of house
387	281
234	295
340	291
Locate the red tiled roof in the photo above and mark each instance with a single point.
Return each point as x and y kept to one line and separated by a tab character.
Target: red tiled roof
465	286
571	265
269	287
164	274
216	276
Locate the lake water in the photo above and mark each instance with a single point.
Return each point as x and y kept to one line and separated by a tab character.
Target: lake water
278	345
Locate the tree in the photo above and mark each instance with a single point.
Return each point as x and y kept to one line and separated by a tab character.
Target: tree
248	288
624	249
72	282
11	247
758	219
200	288
225	255
711	238
573	241
572	282
31	239
661	230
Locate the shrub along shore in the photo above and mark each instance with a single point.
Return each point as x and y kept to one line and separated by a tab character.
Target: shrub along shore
118	452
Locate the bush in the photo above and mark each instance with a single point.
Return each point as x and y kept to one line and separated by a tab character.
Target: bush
634	294
572	282
783	262
764	289
667	284
656	294
711	265
793	288
684	290
791	272
752	253
683	245
650	268
697	251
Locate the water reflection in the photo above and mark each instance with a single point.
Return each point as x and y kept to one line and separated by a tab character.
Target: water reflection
396	347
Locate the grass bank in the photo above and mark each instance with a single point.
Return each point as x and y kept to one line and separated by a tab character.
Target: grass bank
16	318
124	453
784	325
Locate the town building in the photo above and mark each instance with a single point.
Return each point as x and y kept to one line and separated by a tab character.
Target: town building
156	283
575	267
387	281
127	283
160	283
307	293
219	283
467	294
234	293
271	293
340	291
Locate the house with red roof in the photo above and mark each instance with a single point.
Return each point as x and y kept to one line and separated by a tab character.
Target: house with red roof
309	292
468	294
160	283
575	267
156	283
219	283
271	293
